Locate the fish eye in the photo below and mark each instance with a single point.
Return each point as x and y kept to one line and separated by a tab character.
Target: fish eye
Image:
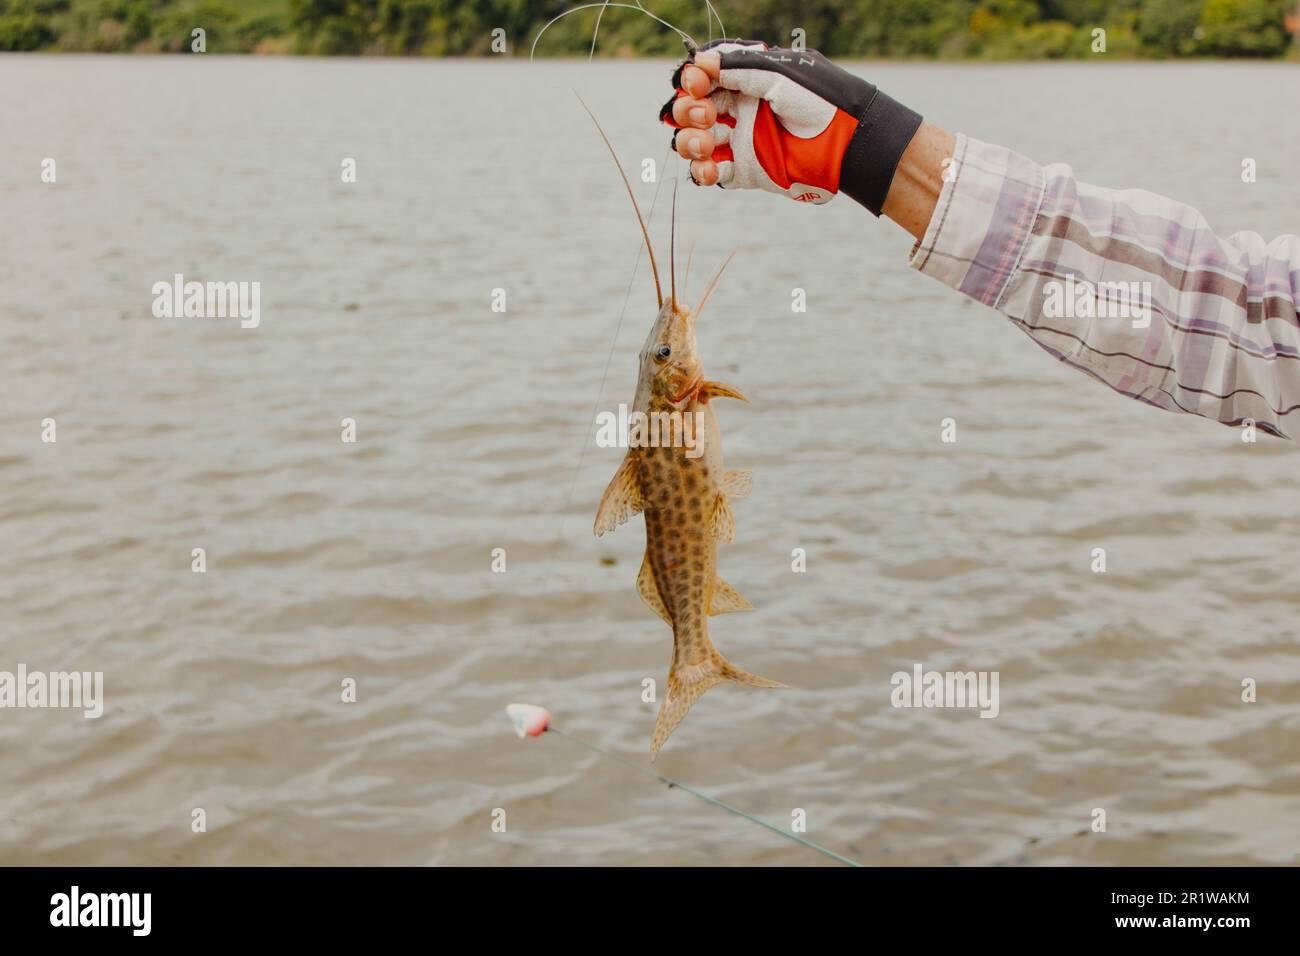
663	352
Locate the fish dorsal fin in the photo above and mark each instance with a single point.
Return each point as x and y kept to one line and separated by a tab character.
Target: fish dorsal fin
621	500
724	524
737	483
710	390
727	599
649	591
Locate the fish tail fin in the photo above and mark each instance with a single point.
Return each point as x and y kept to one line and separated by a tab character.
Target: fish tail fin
688	683
682	693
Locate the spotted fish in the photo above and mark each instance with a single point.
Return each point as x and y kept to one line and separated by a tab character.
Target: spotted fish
673	474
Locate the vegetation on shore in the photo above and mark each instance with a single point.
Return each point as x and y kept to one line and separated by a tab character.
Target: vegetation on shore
946	29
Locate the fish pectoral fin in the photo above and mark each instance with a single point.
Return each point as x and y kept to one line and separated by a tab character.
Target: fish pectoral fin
621	500
710	390
737	483
649	591
724	523
726	599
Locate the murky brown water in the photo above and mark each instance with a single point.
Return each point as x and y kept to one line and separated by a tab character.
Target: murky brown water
371	560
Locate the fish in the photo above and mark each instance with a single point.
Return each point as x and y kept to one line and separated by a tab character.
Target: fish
673	474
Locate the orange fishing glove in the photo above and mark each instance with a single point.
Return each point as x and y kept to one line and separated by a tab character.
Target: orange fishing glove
792	122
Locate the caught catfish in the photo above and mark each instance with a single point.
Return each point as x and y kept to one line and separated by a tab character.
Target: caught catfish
673	474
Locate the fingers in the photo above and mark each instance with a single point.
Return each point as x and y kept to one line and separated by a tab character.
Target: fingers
704	172
689	111
699	77
694	144
696	114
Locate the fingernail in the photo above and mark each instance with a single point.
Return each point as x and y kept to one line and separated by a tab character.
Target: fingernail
697	115
693	147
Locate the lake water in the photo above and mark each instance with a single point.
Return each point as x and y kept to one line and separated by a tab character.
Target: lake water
371	560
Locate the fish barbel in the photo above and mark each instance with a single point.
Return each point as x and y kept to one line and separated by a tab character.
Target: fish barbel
673	473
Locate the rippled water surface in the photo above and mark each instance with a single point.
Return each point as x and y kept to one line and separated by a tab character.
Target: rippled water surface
372	560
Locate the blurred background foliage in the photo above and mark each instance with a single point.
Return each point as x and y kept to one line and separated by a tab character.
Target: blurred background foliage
947	29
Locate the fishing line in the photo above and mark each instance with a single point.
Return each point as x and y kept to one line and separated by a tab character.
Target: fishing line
686	37
596	31
714	801
722	31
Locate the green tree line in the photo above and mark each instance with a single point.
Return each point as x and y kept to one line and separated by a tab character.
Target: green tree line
948	29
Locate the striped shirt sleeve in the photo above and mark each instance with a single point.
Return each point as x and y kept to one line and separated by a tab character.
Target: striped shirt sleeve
1133	288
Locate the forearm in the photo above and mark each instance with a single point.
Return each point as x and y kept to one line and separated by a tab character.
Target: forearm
1220	336
919	179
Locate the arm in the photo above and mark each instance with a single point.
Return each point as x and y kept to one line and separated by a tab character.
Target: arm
1185	320
1220	334
919	179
